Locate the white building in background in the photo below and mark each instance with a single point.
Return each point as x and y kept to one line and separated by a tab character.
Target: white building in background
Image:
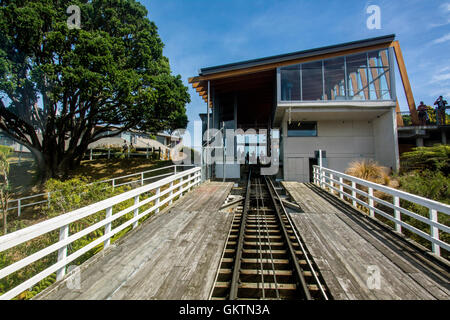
140	140
340	99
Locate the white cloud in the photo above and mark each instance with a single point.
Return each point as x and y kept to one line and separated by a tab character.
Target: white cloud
440	77
442	39
445	6
445	20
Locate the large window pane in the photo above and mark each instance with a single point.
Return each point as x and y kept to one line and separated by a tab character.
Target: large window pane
290	83
379	76
334	79
312	81
357	77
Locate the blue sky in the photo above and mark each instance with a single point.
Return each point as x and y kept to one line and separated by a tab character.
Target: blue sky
201	33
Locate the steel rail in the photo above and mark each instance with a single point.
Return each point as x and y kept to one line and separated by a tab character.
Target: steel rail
270	246
298	270
240	244
319	284
258	196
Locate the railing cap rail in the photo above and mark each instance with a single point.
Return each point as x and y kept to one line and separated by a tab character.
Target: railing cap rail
20	236
432	204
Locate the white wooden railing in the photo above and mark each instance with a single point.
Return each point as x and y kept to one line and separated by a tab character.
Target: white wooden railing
186	181
139	178
337	183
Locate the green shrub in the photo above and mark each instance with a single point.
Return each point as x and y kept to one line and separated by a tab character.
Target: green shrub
431	158
6	150
67	196
429	184
75	193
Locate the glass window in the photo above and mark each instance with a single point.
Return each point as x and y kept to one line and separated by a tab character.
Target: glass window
312	83
357	77
290	83
334	79
362	76
379	76
302	129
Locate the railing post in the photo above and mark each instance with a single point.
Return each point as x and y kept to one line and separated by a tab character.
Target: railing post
49	195
354	193
371	203
136	211
397	215
90	155
158	191
171	193
175	169
18	207
341	187
435	232
108	228
113	184
331	183
62	252
142	179
181	187
322	178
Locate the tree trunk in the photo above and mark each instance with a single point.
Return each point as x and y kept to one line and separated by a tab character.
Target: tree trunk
5	226
56	166
4	200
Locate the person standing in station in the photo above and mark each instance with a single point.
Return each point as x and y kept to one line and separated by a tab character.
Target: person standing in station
422	108
440	110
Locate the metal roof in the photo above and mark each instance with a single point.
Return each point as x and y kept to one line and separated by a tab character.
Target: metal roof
298	55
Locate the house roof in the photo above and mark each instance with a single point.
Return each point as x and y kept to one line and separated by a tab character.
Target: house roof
297	55
259	66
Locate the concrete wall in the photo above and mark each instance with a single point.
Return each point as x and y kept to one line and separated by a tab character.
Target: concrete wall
386	140
343	141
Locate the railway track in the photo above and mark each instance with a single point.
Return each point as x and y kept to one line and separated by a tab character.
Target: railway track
264	257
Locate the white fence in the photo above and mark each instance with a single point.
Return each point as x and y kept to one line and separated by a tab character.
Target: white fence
108	154
186	181
337	182
139	178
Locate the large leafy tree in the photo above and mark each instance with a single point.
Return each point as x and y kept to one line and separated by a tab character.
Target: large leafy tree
62	89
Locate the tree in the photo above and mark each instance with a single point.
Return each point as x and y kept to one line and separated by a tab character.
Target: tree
62	89
4	184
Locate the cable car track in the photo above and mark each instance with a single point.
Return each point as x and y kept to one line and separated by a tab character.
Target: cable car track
264	257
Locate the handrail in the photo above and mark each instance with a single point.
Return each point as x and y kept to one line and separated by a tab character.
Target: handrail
334	181
21	205
186	181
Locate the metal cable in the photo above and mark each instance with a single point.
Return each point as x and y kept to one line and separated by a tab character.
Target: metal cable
270	246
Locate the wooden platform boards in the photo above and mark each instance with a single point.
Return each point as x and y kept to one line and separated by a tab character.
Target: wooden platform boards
346	244
172	256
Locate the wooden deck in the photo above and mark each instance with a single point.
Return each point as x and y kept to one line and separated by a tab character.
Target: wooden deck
173	256
345	243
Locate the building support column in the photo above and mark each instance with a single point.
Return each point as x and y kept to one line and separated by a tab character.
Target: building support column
419	142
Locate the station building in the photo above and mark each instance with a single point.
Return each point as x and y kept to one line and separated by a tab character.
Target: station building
340	99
